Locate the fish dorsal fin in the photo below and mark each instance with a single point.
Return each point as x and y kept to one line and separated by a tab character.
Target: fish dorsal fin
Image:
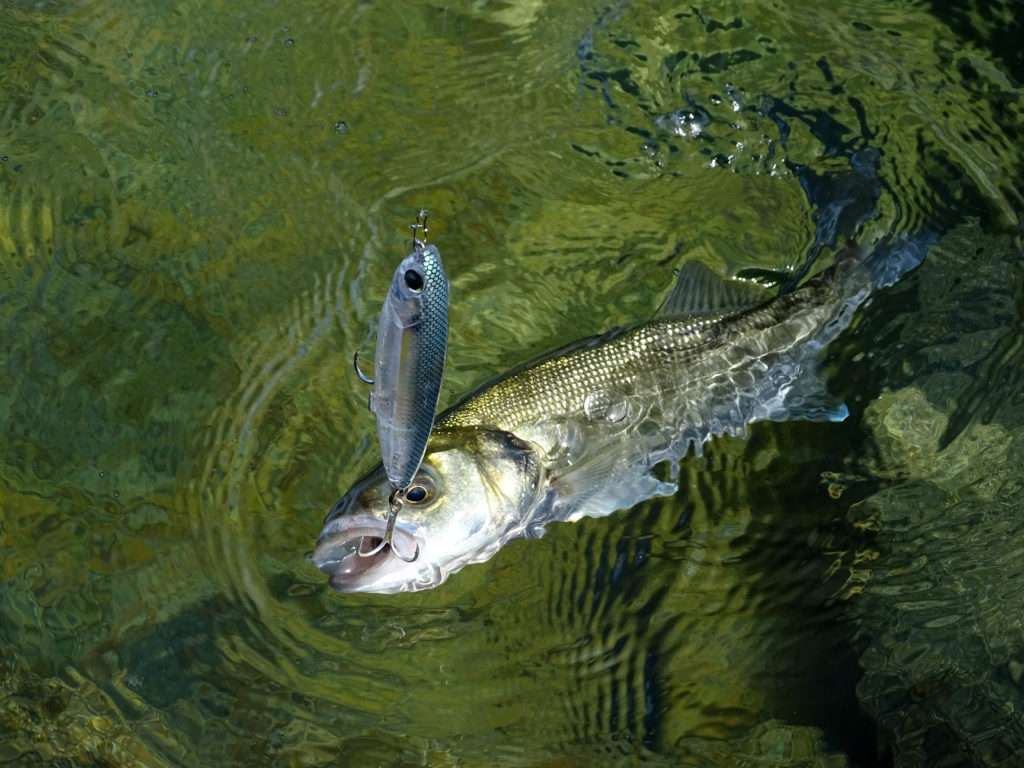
699	291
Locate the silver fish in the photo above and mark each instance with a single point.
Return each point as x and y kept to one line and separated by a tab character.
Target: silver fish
580	431
412	342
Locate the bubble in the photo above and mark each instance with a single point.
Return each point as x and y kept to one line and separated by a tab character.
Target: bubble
602	406
734	97
289	42
151	92
341	127
616	412
688	123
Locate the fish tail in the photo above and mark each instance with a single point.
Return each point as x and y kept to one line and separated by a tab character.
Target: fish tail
856	274
888	261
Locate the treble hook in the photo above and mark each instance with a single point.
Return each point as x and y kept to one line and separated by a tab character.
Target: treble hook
394	506
421	223
362	376
422	217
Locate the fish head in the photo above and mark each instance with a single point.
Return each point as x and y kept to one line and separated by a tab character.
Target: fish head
419	279
475	489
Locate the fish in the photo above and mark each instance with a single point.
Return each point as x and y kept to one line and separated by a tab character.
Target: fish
412	344
601	424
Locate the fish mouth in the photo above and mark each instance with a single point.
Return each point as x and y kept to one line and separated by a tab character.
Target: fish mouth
352	552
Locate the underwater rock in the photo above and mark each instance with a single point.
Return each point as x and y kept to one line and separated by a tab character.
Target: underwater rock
64	720
769	744
939	613
940	617
908	430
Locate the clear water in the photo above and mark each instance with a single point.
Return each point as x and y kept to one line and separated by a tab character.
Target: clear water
200	208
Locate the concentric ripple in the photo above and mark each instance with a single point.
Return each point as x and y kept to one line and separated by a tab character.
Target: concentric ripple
200	208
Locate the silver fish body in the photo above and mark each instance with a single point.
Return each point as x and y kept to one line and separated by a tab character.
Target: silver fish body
580	431
412	342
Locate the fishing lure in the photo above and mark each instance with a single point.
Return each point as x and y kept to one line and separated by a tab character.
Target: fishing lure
412	343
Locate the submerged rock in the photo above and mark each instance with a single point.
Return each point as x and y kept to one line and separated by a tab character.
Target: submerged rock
768	745
908	430
939	614
64	720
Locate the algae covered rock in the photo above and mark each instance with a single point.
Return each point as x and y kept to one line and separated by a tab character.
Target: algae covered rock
940	616
908	430
771	744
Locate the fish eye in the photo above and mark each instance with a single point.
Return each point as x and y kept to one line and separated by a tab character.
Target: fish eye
414	280
416	494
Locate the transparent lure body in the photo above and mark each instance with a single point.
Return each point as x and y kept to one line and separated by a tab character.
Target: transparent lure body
412	341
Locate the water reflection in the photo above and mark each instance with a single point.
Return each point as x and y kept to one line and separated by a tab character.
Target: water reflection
190	250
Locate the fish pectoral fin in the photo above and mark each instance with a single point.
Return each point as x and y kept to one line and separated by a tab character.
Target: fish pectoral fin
603	485
700	291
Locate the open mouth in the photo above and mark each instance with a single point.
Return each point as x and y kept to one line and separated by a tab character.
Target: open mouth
352	551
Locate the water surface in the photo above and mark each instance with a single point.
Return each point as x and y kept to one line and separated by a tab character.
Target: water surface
200	208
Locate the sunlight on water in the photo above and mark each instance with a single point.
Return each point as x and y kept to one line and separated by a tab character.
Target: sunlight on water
201	206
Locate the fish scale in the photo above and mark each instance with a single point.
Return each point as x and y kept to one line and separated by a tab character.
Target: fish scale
659	357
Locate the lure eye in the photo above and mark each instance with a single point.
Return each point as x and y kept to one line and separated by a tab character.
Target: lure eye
414	280
416	494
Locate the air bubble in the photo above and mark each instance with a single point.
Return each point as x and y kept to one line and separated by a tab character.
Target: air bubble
684	122
616	412
600	406
341	127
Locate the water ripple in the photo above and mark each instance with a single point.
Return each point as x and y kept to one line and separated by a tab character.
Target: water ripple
200	206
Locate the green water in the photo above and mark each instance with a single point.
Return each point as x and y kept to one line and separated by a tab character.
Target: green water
200	208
